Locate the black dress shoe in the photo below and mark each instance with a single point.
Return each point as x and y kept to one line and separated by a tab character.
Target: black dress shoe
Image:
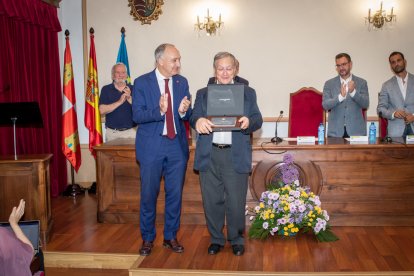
146	247
173	245
238	249
214	248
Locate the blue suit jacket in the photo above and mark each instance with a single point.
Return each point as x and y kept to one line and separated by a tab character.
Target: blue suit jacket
349	111
390	99
241	149
146	113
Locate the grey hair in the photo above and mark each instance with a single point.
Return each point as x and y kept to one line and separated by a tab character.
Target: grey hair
159	51
221	55
115	65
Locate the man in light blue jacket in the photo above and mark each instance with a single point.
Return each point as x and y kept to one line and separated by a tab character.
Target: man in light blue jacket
346	98
396	99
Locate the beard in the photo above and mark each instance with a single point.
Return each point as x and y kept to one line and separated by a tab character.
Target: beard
398	69
119	82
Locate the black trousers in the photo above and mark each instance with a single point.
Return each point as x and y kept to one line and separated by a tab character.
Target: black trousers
224	198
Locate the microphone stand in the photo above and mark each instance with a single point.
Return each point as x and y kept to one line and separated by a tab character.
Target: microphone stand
277	139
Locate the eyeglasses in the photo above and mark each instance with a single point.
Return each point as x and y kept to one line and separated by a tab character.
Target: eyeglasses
342	64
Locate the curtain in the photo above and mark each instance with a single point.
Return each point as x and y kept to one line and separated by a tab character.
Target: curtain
30	71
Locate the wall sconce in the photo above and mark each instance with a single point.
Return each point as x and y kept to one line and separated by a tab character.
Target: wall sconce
209	25
379	18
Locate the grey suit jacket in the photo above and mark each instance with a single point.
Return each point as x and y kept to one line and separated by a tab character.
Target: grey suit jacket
390	99
349	111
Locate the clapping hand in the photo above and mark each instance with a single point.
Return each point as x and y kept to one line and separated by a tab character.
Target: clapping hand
164	103
344	90
127	94
17	213
351	86
184	105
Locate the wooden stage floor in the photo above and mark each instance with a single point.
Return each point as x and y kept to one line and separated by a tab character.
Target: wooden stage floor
380	250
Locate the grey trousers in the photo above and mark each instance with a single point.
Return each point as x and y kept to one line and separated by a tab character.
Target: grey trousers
224	197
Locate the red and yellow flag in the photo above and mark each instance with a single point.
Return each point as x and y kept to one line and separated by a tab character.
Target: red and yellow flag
92	115
70	137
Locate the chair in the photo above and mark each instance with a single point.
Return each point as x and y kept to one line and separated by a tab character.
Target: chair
305	112
383	124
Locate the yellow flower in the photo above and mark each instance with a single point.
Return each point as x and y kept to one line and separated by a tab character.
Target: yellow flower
286	208
311	219
272	215
318	209
309	224
290	225
261	205
310	213
285	228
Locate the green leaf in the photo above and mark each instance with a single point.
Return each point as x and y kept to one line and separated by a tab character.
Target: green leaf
326	236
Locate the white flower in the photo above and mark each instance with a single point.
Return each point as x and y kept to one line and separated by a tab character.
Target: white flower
325	215
265	225
251	218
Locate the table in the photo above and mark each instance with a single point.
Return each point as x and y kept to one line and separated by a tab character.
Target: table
358	184
27	178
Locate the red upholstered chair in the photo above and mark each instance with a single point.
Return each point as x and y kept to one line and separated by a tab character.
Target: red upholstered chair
305	112
383	123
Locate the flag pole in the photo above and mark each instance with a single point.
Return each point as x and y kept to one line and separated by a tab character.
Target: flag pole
74	189
68	91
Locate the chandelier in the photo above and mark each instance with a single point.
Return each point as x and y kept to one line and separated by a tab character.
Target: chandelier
378	19
209	25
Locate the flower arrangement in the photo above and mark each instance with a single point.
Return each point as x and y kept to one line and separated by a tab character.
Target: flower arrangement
286	208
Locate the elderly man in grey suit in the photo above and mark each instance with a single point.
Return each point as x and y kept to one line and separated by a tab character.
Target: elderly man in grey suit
346	97
396	99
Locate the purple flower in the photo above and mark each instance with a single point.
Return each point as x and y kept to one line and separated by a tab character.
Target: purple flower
301	208
281	221
288	158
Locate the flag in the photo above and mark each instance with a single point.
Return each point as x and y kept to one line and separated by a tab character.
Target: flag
123	55
92	115
70	137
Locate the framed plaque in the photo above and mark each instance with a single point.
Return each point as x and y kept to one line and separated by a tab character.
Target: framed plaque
225	106
145	10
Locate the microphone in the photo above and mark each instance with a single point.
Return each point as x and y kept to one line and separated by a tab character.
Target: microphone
386	139
277	139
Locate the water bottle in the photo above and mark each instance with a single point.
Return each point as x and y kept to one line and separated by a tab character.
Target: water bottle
321	134
372	133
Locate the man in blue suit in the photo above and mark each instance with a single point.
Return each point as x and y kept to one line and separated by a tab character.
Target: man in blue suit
224	160
161	103
346	97
396	99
